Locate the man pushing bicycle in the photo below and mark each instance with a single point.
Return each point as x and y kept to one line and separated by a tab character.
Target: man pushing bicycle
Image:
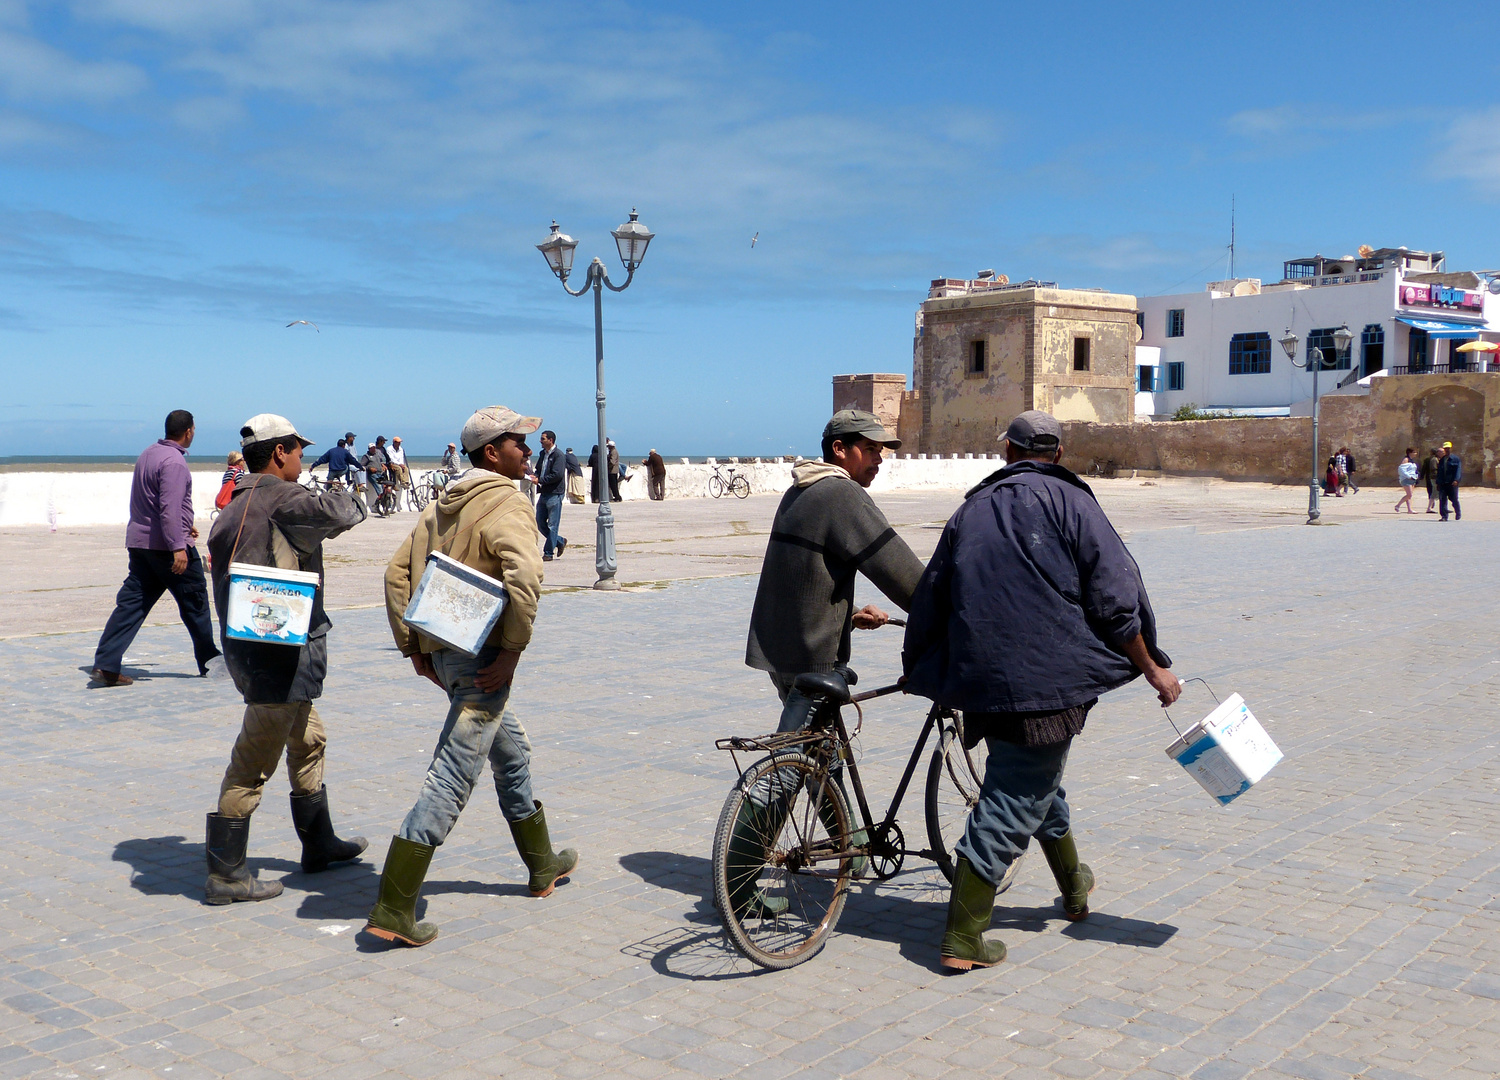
826	530
1029	610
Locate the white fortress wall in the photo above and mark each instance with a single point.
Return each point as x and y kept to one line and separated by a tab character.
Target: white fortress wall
71	499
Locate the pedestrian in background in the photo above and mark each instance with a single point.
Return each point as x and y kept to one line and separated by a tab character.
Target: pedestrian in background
656	476
341	462
551	478
236	469
1406	476
594	467
275	521
1450	471
397	457
450	462
162	558
614	471
1429	476
481	521
576	492
1331	479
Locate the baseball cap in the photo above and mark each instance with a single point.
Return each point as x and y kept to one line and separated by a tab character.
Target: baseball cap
847	422
489	424
1034	430
265	426
1447	446
348	434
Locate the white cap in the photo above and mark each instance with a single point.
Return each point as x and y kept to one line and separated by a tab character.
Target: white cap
266	426
489	424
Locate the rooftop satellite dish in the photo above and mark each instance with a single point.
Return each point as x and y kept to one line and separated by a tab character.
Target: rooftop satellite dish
1494	285
1365	251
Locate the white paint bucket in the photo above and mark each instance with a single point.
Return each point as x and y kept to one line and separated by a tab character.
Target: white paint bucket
1227	751
270	605
455	604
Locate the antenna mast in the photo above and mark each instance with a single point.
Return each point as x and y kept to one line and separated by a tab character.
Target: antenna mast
1231	236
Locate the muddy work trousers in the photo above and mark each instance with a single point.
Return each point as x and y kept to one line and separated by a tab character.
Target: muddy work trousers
265	732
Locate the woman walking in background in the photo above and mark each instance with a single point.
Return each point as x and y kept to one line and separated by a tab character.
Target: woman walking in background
1429	476
1406	476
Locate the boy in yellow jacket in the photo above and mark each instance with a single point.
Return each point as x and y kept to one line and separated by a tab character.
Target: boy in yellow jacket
482	520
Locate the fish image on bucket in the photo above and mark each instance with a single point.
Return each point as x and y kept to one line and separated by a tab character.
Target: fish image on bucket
1227	752
455	604
270	605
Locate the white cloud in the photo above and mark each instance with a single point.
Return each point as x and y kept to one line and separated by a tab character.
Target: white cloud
1472	149
31	70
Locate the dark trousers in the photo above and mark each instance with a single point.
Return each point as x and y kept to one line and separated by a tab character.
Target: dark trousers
1021	797
151	575
1447	493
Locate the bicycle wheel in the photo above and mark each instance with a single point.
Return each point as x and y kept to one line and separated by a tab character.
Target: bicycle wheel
776	886
953	780
740	486
715	486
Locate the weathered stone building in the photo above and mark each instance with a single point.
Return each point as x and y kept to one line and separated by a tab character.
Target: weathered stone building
985	350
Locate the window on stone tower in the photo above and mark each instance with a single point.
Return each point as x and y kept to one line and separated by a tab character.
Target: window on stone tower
977	357
1080	354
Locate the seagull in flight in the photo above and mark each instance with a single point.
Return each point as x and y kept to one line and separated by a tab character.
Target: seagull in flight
304	322
754	238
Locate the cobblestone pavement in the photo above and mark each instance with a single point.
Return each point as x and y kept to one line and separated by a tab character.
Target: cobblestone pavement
1337	921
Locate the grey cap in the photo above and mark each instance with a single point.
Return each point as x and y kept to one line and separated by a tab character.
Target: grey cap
489	424
1034	430
848	422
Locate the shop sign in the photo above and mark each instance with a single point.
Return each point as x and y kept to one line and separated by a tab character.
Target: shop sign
1440	296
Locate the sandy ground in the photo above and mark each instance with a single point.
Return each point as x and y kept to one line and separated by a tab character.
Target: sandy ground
65	581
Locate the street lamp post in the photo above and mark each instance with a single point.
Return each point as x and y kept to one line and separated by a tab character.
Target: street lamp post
1341	340
631	238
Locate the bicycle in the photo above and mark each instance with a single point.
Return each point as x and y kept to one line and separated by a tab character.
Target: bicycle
779	911
728	480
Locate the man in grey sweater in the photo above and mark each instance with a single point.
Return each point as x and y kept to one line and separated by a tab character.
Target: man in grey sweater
826	530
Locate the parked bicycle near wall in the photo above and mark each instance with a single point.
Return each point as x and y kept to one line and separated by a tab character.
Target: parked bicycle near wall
780	888
725	479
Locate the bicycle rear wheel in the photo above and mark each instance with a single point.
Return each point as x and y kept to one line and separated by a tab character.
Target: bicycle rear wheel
777	884
740	486
953	780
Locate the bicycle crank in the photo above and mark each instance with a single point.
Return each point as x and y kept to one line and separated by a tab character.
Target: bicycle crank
887	850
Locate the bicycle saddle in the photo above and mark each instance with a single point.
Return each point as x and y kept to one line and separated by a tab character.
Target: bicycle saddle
828	685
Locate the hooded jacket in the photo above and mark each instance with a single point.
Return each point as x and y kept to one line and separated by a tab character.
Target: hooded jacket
827	528
273	522
1028	601
482	520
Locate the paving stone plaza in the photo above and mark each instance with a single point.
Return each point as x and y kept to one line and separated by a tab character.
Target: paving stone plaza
1337	921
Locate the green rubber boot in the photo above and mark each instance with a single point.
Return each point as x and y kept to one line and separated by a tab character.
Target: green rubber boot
747	854
857	837
970	906
535	846
1074	879
394	916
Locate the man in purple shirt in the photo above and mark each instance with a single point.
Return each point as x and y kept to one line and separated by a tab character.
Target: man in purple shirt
162	556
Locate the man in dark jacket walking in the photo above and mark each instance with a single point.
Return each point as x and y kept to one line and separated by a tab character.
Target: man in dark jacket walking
159	540
1030	609
1450	470
551	486
826	530
272	520
656	476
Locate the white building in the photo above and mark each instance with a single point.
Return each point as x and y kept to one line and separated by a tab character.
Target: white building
1220	348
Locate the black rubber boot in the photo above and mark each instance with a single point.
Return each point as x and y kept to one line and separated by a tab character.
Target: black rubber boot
970	906
394	916
535	846
320	847
1074	879
229	879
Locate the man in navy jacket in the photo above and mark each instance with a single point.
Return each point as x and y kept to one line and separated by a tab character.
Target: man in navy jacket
1030	608
1450	470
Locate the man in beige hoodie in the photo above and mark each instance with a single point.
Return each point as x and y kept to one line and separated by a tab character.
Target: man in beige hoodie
482	520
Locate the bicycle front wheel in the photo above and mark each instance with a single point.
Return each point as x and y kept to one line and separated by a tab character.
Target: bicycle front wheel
740	486
779	883
953	781
715	486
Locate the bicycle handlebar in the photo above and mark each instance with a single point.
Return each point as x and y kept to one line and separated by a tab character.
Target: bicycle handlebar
880	691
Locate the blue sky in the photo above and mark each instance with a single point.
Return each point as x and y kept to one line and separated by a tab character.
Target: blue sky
179	180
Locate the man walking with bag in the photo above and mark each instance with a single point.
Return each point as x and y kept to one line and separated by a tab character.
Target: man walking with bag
482	520
1030	608
551	481
272	520
159	540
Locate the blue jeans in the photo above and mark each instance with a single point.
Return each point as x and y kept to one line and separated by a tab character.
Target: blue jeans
548	518
1448	493
1021	797
479	727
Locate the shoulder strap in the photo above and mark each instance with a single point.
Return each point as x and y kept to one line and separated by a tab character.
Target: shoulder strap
240	531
